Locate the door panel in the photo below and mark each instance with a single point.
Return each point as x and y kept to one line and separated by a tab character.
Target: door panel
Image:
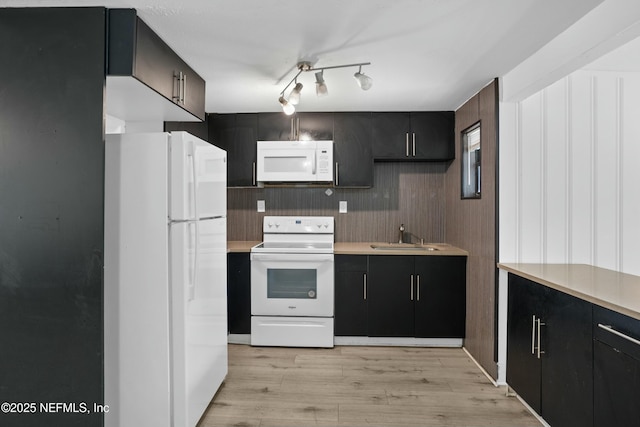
198	178
389	296
524	367
567	361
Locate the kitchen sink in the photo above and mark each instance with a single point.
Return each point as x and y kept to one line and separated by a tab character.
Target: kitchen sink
404	247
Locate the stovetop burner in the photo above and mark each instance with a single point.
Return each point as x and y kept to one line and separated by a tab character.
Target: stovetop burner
288	234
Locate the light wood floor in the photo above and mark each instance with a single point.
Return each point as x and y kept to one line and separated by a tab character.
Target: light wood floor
359	386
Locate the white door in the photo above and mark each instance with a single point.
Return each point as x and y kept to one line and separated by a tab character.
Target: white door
198	178
292	284
198	315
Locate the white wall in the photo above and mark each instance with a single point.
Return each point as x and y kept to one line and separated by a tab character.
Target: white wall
570	178
570	173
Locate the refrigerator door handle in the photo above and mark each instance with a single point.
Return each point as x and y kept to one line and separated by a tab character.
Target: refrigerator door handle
194	176
196	262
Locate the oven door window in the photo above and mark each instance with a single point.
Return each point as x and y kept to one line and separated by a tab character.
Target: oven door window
292	283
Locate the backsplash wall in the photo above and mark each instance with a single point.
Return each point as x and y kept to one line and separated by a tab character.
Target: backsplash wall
403	193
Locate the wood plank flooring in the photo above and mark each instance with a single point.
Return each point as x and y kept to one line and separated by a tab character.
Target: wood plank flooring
359	386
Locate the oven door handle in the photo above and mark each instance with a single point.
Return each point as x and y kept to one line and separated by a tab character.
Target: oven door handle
275	257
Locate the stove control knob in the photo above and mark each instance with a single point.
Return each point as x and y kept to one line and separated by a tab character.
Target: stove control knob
270	224
326	225
319	225
277	224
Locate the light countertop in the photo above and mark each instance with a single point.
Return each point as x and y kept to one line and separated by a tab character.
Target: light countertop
362	248
607	288
240	245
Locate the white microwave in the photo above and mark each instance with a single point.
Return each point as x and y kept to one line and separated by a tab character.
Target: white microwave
294	161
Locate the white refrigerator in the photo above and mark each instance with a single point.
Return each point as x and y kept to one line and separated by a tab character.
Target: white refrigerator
165	275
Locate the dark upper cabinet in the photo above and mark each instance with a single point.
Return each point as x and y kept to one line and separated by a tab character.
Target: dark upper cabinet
280	127
135	50
350	295
616	369
352	133
236	133
550	352
199	129
427	136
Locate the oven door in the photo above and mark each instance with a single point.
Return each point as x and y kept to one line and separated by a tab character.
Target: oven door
292	284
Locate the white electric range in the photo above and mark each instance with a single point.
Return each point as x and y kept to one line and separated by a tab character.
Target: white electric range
292	283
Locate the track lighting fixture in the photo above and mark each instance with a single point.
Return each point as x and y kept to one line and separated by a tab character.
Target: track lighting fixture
288	106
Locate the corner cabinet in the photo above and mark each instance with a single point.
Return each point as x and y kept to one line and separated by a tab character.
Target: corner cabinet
550	352
135	50
415	136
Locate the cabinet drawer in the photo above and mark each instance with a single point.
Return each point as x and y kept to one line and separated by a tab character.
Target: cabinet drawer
617	330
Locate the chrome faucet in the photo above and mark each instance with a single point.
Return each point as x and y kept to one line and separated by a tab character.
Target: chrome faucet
401	239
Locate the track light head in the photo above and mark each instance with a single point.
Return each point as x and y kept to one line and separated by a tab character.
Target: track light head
365	82
287	107
321	86
294	96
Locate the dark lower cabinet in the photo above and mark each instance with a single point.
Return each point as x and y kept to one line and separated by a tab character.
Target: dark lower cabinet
350	295
616	369
390	296
416	296
440	297
550	353
239	292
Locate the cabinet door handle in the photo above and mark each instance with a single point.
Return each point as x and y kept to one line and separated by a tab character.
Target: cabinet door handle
337	180
539	324
608	328
418	287
364	285
184	91
414	144
406	144
533	335
253	181
411	287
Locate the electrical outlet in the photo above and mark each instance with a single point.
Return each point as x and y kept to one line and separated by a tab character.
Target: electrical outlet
342	206
260	205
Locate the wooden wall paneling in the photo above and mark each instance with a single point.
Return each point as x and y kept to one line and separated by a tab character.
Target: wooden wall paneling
403	193
471	224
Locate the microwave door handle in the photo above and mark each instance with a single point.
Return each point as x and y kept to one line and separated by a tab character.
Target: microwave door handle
314	167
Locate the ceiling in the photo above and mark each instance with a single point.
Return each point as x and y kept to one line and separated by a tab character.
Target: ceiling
424	54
